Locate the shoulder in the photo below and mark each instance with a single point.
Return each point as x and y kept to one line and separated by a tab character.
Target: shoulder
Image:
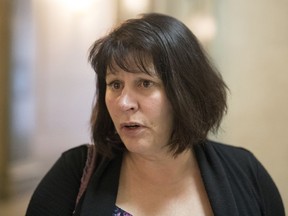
78	153
236	162
57	191
244	170
225	148
73	159
231	154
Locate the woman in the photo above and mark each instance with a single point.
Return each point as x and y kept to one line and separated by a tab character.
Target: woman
157	98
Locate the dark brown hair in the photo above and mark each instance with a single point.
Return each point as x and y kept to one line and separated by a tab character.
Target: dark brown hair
193	86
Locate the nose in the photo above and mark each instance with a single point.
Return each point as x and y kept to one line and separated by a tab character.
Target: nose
128	101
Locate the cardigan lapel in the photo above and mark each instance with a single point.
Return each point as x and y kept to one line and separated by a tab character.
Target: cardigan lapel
102	190
215	180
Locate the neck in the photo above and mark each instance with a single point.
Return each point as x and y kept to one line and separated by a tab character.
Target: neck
163	170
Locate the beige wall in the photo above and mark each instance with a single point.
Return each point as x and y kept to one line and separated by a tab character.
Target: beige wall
251	49
64	81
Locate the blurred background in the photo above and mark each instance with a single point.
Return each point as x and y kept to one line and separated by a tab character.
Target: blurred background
47	86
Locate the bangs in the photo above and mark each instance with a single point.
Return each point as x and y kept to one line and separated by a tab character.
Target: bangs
131	61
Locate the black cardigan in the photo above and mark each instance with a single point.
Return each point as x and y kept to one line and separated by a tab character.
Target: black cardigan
235	181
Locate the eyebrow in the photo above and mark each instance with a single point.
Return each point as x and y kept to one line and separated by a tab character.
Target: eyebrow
134	69
152	74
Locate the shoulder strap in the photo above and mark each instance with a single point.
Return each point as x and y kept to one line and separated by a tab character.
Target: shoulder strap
87	171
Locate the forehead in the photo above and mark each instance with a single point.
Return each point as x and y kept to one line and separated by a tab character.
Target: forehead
132	66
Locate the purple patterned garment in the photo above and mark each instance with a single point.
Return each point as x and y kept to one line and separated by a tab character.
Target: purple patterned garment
120	212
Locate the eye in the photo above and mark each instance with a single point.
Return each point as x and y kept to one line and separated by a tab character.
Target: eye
114	85
146	83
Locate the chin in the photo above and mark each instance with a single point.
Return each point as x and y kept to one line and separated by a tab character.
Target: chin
138	148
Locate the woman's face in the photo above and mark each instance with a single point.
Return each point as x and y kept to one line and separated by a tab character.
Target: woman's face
140	111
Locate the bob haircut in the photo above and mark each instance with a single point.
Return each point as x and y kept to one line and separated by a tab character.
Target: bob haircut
193	86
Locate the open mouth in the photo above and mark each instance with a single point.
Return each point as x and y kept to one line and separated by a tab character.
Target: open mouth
132	129
132	126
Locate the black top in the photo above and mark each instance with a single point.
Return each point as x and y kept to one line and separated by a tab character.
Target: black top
235	181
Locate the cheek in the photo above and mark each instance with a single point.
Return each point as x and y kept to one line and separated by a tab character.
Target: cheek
159	107
109	104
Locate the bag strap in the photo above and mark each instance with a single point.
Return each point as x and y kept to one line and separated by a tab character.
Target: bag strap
87	171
